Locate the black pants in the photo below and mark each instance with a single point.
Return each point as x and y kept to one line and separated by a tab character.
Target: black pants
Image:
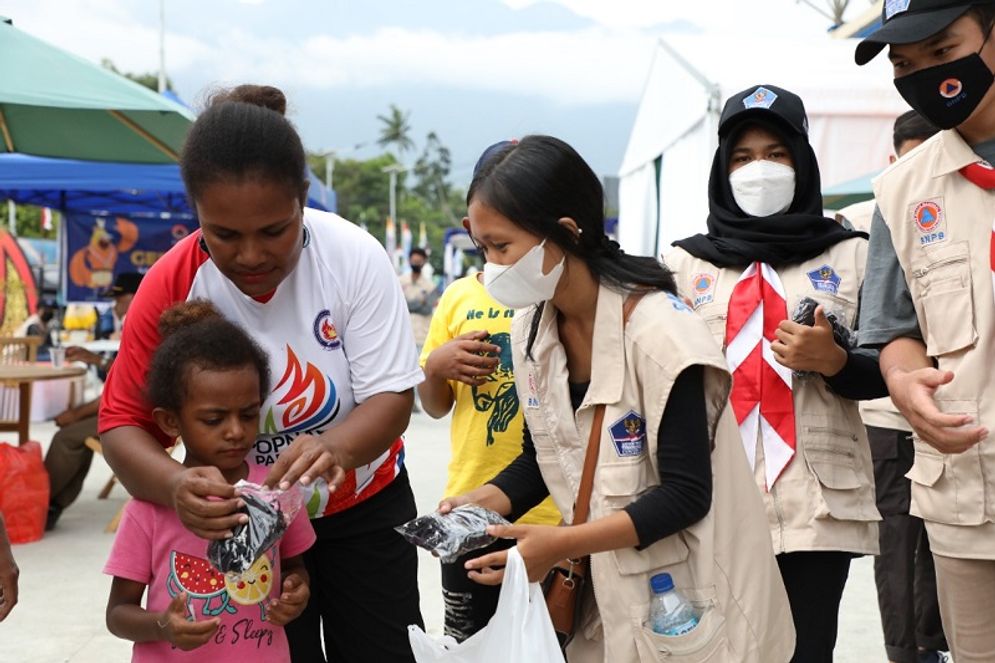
364	584
469	605
814	582
903	572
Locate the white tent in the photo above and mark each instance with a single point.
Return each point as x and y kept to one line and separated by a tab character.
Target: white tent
664	174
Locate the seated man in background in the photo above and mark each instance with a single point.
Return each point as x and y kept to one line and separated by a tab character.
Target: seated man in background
68	458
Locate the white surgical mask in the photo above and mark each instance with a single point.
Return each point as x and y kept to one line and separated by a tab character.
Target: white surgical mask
523	284
763	188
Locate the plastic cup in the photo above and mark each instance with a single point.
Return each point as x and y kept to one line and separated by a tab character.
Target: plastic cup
58	356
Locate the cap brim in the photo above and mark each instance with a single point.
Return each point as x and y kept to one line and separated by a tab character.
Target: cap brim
907	29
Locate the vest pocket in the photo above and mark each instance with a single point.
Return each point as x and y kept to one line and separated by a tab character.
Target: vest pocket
830	454
949	489
705	643
942	284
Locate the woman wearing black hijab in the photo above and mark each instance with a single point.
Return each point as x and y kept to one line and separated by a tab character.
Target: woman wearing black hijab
768	250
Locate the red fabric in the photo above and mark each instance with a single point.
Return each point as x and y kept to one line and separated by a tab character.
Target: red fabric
756	380
980	175
24	490
168	282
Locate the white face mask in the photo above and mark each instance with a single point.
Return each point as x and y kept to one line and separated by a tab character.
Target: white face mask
763	188
523	284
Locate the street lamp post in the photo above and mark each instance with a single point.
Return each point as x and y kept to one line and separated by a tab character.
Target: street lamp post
393	170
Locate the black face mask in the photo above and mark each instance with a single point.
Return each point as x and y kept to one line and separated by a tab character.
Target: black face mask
416	269
947	94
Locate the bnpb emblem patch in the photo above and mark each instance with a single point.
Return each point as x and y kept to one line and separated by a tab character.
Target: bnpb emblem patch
702	285
928	217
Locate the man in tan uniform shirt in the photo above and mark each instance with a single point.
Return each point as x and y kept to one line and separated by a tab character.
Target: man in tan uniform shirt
931	303
903	570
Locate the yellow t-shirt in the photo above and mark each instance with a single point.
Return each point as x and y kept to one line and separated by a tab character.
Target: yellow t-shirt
486	432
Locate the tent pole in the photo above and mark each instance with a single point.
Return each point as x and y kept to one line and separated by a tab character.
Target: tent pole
128	122
6	133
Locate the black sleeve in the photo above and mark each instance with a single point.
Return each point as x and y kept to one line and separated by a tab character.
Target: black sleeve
683	454
861	377
522	481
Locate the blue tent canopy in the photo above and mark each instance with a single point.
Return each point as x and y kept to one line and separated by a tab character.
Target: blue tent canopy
88	187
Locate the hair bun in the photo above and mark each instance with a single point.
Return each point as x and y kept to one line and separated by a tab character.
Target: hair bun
265	96
185	314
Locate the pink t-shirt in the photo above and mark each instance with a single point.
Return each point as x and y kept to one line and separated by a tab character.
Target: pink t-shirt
154	548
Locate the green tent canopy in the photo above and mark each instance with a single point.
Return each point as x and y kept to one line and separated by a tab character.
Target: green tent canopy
55	104
847	193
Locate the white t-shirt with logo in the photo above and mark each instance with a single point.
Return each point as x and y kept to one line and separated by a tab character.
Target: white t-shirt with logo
336	331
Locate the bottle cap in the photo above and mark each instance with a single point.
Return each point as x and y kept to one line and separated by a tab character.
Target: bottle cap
661	582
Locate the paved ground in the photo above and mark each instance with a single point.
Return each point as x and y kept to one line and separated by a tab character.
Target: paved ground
60	617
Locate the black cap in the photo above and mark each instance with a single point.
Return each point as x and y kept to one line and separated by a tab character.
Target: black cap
765	102
124	284
909	21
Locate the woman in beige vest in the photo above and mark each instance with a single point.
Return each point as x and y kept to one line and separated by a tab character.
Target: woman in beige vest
768	248
642	380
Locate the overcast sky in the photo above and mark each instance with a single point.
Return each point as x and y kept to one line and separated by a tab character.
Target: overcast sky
474	71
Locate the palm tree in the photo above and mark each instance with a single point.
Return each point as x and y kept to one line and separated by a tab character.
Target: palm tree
396	131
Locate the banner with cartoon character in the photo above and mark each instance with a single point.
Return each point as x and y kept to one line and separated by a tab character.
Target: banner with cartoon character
97	248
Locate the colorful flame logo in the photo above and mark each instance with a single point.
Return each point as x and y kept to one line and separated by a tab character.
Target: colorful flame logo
306	396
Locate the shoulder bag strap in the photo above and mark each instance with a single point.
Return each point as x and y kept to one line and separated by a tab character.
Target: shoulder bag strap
582	506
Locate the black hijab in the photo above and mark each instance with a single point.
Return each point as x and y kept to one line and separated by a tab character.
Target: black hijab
802	232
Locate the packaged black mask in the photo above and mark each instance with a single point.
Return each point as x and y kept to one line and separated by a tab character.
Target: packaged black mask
452	535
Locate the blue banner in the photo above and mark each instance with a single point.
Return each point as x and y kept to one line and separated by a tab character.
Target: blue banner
97	248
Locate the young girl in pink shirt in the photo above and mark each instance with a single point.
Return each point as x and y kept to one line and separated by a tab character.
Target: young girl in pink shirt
206	382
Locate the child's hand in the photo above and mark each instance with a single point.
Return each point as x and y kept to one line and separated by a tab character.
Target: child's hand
179	631
461	359
292	600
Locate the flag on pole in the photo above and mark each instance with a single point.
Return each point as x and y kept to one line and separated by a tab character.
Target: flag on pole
46	218
390	242
406	240
423	237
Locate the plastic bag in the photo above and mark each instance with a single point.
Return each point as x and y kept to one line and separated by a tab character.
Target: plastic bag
452	535
520	629
804	314
24	490
270	514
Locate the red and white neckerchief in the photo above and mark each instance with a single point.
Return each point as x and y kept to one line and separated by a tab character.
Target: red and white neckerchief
761	388
983	175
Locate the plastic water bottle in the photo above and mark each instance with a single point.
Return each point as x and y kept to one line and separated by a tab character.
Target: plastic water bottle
670	612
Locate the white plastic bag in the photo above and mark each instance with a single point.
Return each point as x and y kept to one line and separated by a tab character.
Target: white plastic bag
520	629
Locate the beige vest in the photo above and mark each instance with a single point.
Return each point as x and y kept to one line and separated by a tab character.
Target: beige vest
941	226
824	498
880	412
724	563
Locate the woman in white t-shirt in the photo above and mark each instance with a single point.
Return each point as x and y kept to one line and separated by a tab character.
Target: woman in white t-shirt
320	296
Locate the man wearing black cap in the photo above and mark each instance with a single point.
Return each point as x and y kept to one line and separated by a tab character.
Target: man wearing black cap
68	458
930	304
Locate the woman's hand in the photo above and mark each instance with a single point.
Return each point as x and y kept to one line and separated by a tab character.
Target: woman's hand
804	348
307	459
292	601
206	504
541	547
912	393
461	359
181	632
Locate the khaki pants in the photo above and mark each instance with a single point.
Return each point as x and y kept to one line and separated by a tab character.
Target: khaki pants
966	591
68	461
